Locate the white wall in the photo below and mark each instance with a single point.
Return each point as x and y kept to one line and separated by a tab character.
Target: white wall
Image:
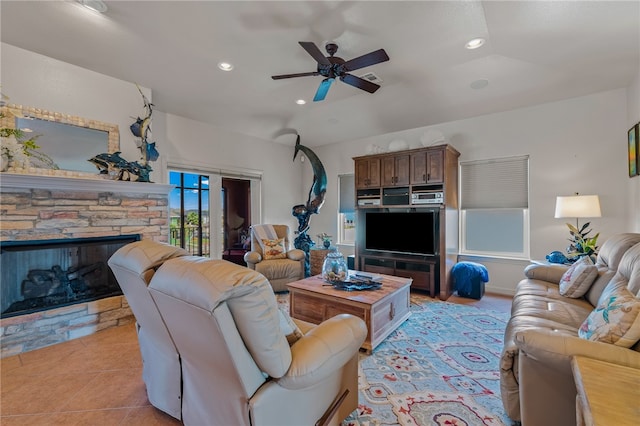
185	141
633	117
576	145
38	81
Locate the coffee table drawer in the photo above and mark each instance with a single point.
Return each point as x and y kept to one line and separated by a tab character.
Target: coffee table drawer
317	309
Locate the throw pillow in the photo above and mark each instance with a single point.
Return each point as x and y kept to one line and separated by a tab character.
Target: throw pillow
289	328
274	249
578	278
616	318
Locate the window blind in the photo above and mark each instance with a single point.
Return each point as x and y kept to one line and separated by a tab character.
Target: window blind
347	190
495	183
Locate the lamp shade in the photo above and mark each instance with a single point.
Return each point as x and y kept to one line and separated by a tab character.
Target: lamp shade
578	206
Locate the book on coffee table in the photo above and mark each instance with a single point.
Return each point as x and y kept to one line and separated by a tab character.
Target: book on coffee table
364	276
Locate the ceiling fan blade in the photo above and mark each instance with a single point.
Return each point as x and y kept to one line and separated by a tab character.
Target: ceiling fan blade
313	50
321	93
365	60
301	74
359	83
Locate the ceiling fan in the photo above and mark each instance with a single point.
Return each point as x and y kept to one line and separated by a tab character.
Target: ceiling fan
332	67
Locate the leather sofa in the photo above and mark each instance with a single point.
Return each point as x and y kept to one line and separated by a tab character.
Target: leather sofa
240	365
542	335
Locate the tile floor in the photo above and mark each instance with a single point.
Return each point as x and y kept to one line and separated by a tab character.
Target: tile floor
96	380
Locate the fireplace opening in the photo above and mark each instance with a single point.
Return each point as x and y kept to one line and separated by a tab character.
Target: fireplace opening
45	274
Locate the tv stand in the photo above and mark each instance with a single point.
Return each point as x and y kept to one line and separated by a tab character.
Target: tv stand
421	269
429	179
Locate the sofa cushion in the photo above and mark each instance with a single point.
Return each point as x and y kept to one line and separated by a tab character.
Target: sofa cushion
578	278
280	269
274	249
559	309
616	318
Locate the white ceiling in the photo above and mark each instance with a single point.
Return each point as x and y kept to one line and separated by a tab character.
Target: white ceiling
536	51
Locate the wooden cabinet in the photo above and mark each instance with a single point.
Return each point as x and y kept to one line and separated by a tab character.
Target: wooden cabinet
367	173
423	178
427	167
395	170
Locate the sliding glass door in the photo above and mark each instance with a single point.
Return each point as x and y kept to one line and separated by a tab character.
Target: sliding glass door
189	210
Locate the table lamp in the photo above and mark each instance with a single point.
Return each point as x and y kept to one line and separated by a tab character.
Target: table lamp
578	206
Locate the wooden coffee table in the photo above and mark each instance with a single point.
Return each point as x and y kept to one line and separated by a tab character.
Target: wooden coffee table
383	310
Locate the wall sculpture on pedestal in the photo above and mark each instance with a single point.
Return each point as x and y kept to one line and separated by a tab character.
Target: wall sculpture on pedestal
315	200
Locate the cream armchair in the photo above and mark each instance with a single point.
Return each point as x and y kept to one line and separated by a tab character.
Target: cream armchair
133	266
238	367
279	272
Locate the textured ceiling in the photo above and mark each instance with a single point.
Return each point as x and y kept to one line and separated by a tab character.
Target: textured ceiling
536	51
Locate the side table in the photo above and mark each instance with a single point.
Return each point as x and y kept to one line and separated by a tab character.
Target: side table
316	259
608	394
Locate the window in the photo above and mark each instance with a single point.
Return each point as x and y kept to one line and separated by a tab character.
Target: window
346	209
189	212
495	207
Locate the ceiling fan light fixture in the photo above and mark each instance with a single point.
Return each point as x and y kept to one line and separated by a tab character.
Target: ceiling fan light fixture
475	43
94	5
225	66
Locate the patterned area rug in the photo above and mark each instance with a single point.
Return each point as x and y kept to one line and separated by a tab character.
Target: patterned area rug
441	367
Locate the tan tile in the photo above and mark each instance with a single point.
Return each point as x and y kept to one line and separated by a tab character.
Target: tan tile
150	416
53	353
40	394
9	363
114	335
107	357
75	418
84	359
110	389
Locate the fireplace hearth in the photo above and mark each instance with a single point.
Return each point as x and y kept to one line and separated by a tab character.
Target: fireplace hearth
45	274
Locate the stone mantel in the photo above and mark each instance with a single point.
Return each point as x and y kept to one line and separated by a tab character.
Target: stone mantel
16	180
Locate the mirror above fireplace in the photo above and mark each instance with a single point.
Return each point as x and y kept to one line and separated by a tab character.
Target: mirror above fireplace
69	140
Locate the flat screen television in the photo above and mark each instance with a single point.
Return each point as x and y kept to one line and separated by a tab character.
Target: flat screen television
402	232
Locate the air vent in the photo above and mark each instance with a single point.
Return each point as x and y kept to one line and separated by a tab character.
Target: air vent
370	76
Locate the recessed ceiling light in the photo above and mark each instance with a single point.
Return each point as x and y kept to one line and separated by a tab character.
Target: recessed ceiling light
475	43
480	84
301	102
95	5
225	66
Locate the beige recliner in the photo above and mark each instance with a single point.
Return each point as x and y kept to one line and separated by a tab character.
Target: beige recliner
279	272
238	367
133	266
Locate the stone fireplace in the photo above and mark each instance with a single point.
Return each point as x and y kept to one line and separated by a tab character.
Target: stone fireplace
41	212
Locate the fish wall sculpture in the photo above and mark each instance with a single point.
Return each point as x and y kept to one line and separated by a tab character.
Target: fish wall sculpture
114	165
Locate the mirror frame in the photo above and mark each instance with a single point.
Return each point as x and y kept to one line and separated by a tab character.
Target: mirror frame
113	142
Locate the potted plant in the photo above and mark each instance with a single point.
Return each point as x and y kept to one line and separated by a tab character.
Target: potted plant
581	245
18	151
